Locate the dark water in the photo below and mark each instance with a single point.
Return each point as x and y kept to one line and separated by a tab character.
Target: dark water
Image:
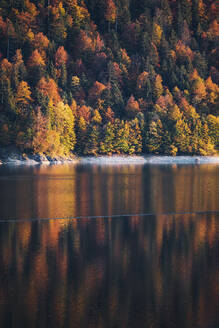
158	270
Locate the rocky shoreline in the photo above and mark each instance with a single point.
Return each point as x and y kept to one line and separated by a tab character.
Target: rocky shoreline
12	155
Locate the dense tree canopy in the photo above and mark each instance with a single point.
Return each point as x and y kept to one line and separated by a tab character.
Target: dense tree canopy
104	77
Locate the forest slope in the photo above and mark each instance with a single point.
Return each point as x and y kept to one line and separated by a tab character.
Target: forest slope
103	77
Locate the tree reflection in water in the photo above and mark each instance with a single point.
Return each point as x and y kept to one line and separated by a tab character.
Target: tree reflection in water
153	271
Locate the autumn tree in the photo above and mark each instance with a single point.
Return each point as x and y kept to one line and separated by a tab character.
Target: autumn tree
96	91
35	59
198	87
36	66
156	34
62	121
158	87
78	12
85	112
41	43
132	107
121	144
49	88
135	137
23	95
108	139
57	23
7	98
81	132
61	57
110	14
141	83
93	138
213	126
39	130
96	118
18	69
109	115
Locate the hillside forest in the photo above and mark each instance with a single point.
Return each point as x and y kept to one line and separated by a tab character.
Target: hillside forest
109	76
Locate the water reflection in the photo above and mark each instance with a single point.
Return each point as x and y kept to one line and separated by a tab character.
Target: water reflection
154	271
80	190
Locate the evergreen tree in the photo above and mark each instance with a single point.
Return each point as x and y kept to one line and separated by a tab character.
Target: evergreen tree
107	143
93	137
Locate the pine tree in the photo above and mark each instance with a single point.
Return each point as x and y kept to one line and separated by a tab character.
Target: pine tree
107	143
19	71
93	138
81	133
153	138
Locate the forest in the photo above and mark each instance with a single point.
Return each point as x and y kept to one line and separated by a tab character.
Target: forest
109	76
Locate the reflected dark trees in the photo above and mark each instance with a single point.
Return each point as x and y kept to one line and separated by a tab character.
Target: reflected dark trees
153	271
133	271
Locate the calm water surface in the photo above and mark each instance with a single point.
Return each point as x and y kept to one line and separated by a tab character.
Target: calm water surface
159	270
95	190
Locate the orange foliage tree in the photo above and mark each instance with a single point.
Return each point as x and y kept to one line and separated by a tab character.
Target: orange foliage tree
84	111
35	59
110	14
5	67
109	115
49	88
61	56
96	91
132	107
41	43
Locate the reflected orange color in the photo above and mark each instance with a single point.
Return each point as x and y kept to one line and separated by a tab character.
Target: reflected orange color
61	246
73	190
98	269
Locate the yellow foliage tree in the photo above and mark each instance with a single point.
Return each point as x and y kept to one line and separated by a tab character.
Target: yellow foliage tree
198	86
198	89
62	121
96	117
156	34
158	87
23	95
212	89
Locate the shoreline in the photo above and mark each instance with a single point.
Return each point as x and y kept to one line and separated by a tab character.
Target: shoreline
14	157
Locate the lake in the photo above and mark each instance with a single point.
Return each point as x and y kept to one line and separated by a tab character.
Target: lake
147	257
